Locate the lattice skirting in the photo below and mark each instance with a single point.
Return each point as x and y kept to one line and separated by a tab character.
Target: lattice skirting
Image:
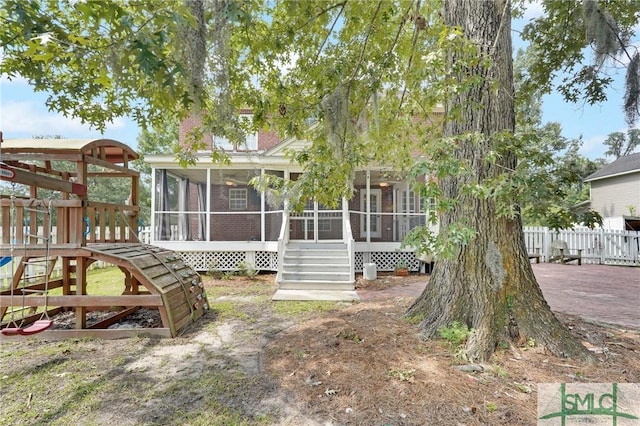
387	260
268	261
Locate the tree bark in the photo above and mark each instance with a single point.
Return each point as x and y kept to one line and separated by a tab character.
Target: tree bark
488	284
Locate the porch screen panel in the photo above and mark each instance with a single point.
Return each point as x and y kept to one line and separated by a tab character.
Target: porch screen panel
356	215
329	223
274	209
235	206
162	207
301	224
410	212
179	208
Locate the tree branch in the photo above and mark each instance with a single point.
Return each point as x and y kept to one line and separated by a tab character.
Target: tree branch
414	41
333	25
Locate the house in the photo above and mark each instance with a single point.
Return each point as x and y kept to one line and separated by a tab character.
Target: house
213	216
615	193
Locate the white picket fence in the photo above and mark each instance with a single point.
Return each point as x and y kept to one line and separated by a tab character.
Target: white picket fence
599	246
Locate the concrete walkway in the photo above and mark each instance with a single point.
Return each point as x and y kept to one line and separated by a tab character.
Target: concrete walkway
608	294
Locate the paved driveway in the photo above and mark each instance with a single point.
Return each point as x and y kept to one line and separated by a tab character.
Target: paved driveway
609	294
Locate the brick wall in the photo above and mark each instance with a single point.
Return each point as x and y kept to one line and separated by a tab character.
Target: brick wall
237	226
266	139
188	124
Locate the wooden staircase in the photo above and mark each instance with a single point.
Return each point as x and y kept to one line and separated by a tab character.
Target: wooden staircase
315	271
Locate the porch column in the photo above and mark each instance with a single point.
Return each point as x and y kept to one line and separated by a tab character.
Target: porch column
346	222
367	216
152	237
285	212
207	220
396	221
262	212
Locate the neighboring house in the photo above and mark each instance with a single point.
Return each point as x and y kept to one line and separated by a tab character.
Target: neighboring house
217	220
615	193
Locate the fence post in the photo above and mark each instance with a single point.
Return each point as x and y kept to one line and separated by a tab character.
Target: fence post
546	244
601	247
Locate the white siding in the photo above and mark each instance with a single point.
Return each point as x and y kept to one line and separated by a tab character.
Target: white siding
610	197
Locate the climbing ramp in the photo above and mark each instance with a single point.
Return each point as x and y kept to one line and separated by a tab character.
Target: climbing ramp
161	272
155	278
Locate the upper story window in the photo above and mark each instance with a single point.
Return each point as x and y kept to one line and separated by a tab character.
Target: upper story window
250	144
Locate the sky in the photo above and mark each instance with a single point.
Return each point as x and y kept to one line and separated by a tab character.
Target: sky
23	114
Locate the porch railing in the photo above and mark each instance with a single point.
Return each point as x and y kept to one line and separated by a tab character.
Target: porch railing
348	238
283	239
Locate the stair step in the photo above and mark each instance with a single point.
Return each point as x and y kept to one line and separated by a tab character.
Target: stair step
307	252
318	246
331	295
322	274
311	267
316	260
316	285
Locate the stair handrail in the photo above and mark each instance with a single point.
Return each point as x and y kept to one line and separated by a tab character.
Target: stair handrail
348	239
283	239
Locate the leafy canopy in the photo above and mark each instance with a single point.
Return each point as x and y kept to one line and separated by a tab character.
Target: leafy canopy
368	74
588	42
99	60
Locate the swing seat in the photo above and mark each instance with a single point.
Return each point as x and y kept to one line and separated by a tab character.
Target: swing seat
36	327
11	331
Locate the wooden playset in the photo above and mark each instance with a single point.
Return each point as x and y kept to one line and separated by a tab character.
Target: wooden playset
48	217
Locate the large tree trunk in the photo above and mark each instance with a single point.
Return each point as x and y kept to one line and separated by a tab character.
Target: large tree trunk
489	284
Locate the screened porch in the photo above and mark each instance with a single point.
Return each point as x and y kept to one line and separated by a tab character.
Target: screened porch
219	205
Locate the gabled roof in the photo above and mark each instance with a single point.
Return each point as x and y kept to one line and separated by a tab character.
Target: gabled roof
290	142
621	166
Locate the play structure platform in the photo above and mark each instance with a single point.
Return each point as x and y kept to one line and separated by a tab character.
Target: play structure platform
50	221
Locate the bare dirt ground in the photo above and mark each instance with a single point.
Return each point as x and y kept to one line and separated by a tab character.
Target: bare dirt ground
251	361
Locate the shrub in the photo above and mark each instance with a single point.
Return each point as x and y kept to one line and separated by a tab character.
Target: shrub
247	269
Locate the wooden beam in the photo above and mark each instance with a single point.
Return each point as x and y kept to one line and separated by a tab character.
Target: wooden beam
120	207
106	164
24	177
39	169
108	174
40	250
32	155
112	319
28	202
98	333
83	301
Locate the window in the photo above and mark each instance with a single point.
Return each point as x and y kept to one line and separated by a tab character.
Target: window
237	199
251	141
324	225
411	207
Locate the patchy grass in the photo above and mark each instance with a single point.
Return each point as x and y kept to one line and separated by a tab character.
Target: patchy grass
225	310
107	281
292	308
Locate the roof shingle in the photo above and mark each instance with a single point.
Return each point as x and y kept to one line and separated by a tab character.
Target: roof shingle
626	164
